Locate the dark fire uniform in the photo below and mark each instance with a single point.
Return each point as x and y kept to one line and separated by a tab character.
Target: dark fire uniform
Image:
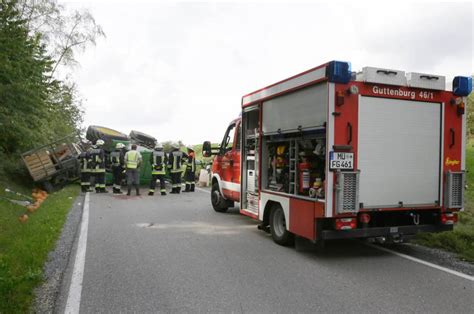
84	159
158	162
189	174
175	158
98	168
118	165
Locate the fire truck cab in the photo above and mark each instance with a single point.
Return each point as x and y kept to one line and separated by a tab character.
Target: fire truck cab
330	154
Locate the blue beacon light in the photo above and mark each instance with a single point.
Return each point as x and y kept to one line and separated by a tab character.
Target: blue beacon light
462	85
339	72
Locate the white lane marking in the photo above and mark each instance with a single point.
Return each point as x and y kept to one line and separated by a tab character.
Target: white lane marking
202	190
417	260
75	289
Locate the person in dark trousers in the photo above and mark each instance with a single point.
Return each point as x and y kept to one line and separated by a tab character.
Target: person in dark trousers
189	174
174	165
84	158
133	160
158	161
117	160
98	163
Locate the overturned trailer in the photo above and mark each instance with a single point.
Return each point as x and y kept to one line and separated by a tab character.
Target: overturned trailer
54	164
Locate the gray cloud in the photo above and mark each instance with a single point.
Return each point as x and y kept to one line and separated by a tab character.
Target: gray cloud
178	71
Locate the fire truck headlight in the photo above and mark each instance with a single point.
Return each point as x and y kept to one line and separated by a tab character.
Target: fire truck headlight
462	85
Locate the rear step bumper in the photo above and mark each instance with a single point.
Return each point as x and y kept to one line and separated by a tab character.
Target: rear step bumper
382	231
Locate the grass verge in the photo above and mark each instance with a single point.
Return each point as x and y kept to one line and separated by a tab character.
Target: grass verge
24	247
461	240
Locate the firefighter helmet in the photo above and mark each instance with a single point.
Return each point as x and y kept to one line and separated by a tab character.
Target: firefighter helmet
159	146
119	146
99	143
190	148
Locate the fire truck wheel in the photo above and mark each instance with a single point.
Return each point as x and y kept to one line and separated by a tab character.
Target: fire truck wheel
218	202
278	229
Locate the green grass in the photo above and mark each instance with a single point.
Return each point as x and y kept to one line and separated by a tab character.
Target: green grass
24	247
461	240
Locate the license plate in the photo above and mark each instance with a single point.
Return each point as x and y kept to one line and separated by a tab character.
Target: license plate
341	160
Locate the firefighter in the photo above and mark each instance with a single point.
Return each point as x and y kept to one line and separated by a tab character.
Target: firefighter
189	174
133	160
158	161
117	160
174	165
84	158
98	166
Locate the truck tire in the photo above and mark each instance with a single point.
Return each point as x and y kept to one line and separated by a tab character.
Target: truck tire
218	202
48	187
280	233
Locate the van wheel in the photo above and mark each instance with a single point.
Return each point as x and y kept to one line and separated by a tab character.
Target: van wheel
278	227
218	202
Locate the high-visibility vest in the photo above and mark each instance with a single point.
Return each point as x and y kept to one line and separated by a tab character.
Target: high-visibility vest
158	164
132	159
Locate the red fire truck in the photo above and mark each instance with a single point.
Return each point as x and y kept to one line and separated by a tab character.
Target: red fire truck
330	154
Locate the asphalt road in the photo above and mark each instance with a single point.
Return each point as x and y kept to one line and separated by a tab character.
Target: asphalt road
175	254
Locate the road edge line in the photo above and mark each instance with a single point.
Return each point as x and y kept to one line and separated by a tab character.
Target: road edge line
75	289
420	261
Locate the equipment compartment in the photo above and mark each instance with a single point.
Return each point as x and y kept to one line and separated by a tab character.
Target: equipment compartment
295	164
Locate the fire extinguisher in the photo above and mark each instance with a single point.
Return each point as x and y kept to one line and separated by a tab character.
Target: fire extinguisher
304	175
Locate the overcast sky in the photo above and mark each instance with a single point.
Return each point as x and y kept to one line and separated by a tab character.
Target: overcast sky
177	71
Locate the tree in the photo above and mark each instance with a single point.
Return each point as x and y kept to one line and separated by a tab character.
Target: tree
64	34
35	107
470	114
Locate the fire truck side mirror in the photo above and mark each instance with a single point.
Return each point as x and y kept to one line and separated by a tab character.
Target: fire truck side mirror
206	149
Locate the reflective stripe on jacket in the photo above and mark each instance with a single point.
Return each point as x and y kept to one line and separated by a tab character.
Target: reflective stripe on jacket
115	158
191	163
158	162
174	161
97	160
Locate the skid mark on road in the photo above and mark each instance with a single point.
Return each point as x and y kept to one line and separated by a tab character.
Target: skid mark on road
201	228
203	190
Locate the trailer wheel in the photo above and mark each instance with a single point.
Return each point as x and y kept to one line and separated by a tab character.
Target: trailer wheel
48	187
280	233
218	202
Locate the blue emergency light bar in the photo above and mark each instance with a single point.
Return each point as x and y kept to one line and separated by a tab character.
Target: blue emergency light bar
339	72
462	85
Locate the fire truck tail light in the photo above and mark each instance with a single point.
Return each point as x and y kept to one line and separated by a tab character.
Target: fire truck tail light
339	72
346	223
462	86
449	218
